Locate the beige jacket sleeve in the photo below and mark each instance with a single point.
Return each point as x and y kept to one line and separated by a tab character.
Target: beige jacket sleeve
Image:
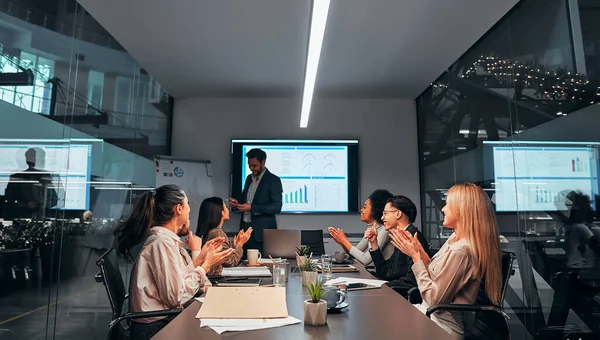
445	276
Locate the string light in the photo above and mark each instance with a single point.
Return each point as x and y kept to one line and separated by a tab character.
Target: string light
548	84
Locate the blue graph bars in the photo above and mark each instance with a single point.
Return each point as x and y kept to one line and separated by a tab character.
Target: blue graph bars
298	196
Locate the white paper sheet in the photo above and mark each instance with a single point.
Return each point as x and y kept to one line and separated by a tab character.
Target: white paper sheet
237	325
339	280
246	271
200	299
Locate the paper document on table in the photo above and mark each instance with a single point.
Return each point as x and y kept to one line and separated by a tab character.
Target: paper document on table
244	303
344	280
246	271
236	325
200	299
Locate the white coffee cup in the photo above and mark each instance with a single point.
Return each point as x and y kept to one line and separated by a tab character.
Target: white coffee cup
253	256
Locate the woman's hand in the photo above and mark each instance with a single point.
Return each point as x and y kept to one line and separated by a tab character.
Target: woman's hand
340	238
242	237
216	244
193	242
408	244
371	236
215	258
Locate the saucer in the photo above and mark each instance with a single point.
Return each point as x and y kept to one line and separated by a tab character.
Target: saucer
338	308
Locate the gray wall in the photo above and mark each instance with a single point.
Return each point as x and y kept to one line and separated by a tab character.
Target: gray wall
387	131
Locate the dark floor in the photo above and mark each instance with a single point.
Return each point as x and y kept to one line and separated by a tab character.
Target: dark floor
80	310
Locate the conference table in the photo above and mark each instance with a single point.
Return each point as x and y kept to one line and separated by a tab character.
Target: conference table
372	314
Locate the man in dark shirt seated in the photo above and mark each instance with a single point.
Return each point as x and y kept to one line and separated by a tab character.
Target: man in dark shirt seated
399	212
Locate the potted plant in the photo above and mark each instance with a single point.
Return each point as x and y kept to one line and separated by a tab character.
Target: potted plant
309	272
315	309
301	254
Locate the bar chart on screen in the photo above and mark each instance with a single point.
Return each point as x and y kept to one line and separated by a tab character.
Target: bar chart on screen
298	196
539	178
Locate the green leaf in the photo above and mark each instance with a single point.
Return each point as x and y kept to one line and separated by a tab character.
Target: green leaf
316	291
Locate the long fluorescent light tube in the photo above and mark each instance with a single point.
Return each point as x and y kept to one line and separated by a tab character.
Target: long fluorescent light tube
318	22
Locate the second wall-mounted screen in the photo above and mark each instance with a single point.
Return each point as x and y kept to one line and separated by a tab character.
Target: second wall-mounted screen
538	176
318	176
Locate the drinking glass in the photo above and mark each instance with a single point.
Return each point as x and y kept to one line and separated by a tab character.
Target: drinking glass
326	271
280	273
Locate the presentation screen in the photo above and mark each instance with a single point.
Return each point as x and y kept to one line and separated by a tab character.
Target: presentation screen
318	176
537	176
62	169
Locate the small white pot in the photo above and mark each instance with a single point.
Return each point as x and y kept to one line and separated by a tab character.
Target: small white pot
310	277
315	314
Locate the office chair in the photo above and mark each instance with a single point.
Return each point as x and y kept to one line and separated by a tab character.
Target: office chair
110	276
490	322
313	239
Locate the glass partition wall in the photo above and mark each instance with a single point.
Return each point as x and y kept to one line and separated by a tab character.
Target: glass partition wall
79	124
518	114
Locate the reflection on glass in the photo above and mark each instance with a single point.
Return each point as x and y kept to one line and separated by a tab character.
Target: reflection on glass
517	115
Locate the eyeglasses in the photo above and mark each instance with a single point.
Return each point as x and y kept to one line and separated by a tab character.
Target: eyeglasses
389	211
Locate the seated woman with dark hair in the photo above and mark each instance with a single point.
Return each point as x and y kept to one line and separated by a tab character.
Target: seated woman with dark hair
371	214
164	275
212	216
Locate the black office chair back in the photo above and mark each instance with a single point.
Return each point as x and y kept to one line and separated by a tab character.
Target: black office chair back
313	239
484	324
110	276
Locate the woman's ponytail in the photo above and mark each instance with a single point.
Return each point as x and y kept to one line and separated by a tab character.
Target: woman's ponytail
133	231
153	209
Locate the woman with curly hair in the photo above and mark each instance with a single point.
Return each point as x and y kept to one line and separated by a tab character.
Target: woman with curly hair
371	214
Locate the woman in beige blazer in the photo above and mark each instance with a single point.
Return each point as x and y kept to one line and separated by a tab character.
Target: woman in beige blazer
472	253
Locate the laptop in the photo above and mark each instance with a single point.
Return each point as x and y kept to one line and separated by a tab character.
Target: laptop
281	243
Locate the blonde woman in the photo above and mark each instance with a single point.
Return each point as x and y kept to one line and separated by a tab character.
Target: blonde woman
470	255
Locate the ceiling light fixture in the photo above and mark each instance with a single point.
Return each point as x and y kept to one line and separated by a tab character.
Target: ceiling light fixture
318	21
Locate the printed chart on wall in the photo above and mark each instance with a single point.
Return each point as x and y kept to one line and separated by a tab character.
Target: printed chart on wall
314	178
539	177
194	177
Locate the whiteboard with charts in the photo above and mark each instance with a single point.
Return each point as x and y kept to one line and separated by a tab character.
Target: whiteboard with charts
194	177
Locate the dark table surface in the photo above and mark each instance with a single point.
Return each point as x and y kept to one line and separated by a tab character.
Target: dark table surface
372	314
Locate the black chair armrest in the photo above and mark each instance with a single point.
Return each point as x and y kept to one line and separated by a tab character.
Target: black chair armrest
414	295
139	315
465	308
153	313
99	277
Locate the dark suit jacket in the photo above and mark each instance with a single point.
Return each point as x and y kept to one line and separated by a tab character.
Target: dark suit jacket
398	265
20	194
266	203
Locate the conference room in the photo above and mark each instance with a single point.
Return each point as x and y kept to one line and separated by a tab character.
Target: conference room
306	170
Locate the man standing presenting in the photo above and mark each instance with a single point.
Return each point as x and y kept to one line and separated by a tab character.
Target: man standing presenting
261	199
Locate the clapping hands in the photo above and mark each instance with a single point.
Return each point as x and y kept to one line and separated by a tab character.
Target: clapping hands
242	237
408	244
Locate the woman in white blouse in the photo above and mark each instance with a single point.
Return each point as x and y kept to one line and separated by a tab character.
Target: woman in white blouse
165	276
471	254
371	213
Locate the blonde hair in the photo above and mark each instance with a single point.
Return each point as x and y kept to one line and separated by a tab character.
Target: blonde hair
477	224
